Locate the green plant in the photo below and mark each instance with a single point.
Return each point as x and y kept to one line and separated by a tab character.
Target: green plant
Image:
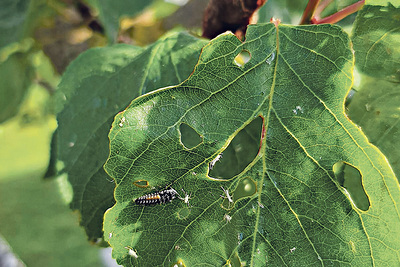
251	131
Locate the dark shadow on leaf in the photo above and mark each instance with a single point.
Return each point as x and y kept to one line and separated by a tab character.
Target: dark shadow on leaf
189	137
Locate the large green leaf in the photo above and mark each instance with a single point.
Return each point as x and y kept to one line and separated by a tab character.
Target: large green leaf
376	105
288	208
97	85
376	38
376	108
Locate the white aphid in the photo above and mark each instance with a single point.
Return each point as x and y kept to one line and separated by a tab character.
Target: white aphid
122	122
132	252
227	218
226	192
186	198
212	163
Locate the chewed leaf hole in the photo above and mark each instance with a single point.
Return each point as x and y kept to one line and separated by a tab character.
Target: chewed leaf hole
241	152
180	262
141	183
234	261
247	187
350	179
242	58
189	137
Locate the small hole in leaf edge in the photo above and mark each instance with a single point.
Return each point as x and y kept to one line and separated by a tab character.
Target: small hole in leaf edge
242	58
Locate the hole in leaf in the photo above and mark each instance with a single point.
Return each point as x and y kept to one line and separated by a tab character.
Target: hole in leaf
350	179
179	263
189	137
246	188
242	58
241	152
234	261
141	183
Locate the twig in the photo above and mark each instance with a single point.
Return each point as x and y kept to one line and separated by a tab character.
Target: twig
340	14
309	12
324	4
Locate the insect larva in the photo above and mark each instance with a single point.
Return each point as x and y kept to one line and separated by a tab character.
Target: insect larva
131	252
160	197
226	192
186	198
212	163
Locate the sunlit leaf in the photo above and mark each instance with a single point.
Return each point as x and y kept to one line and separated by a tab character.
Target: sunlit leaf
97	85
376	108
286	207
376	105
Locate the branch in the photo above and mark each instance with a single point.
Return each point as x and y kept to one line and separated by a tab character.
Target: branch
340	14
324	4
309	12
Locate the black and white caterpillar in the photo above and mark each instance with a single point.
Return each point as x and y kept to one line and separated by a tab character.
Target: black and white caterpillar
160	197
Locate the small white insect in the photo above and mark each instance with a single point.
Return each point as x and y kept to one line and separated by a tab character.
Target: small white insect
122	122
260	204
109	235
299	109
292	249
227	218
212	163
186	198
132	252
226	192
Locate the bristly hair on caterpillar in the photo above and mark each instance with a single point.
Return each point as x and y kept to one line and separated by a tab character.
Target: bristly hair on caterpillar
160	197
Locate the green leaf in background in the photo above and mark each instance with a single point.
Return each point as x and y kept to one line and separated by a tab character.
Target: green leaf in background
16	73
110	13
288	11
286	207
97	85
396	3
13	13
376	108
37	224
376	105
376	40
18	18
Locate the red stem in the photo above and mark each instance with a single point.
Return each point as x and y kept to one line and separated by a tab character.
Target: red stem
340	14
309	12
324	4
